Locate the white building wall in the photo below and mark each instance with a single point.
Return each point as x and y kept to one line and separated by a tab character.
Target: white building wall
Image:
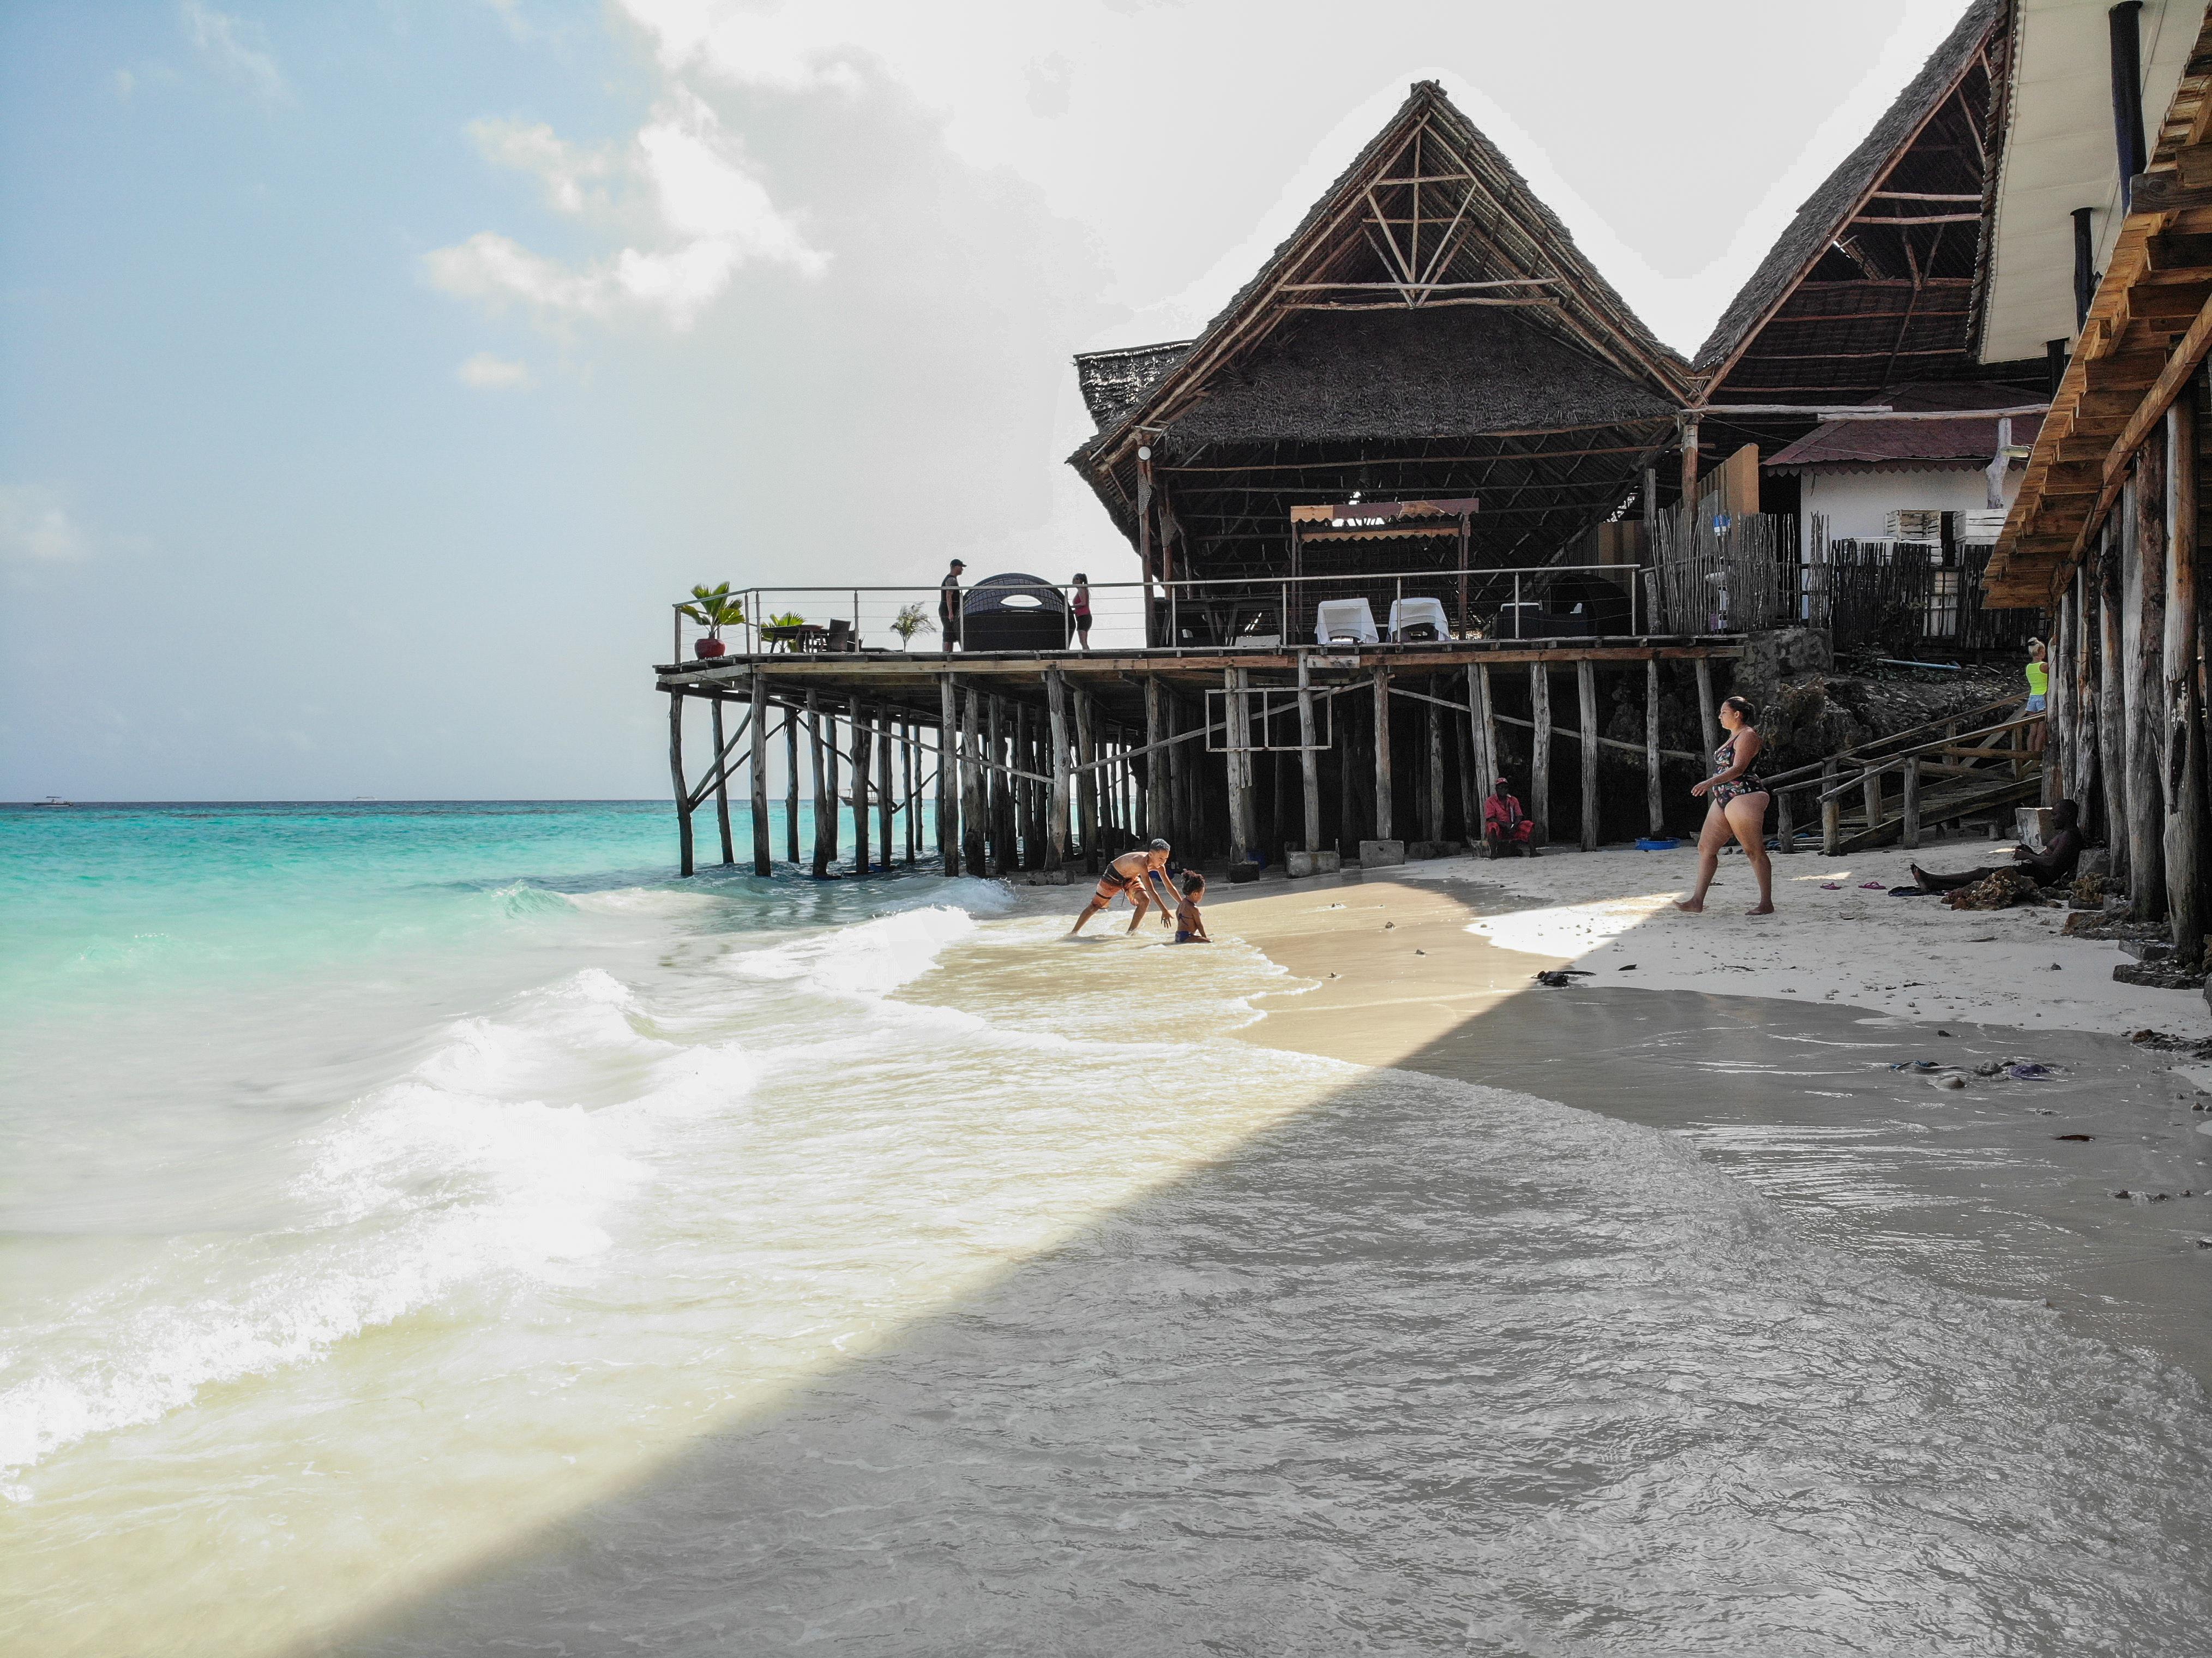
1857	504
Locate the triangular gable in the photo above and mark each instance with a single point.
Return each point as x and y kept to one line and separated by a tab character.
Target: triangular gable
1837	233
1430	216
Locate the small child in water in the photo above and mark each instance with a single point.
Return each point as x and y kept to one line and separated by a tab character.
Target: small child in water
1190	928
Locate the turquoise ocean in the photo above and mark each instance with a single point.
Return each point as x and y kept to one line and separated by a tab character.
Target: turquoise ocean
435	1228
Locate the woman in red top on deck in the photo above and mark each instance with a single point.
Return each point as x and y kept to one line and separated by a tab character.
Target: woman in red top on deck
1080	605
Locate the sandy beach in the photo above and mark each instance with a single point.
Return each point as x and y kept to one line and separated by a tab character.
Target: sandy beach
1769	1044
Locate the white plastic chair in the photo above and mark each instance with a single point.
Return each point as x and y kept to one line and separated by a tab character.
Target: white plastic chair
1345	618
1408	613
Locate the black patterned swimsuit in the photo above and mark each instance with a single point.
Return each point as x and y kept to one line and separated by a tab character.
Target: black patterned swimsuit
1722	793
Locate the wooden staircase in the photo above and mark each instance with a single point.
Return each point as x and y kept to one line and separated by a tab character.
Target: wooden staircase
1894	789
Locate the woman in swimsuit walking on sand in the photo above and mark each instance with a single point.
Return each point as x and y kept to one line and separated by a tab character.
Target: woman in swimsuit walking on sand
1739	809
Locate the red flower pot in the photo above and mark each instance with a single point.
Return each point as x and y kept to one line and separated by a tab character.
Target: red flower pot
709	647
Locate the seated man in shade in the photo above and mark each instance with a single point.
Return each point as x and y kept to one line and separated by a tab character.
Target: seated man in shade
2051	867
1506	827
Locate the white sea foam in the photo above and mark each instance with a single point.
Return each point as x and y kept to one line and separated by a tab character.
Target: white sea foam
870	960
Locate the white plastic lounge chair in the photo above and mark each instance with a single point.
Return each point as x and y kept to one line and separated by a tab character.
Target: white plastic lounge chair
1351	619
1410	617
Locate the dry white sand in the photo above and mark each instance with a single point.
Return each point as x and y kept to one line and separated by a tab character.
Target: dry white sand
1832	938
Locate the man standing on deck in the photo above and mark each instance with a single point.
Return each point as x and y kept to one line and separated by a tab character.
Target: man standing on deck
1130	874
948	604
1506	827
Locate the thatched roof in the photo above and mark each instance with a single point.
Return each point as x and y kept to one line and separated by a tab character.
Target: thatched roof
1114	382
1402	373
1828	212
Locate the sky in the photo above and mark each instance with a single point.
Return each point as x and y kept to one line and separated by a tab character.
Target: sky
373	377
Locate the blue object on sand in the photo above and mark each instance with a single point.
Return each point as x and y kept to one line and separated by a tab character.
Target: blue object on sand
1654	843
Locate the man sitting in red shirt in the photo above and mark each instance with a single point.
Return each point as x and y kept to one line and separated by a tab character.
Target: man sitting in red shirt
1504	825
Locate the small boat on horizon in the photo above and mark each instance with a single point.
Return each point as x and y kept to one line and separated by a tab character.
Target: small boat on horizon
55	800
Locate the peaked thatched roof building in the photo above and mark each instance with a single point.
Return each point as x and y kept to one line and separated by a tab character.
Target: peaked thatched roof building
1430	330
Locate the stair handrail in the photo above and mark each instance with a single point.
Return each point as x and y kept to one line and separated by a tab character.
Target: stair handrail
1860	755
1893	761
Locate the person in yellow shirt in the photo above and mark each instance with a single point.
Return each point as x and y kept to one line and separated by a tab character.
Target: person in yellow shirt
2038	691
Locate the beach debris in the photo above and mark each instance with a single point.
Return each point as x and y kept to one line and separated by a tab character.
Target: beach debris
1420	952
2001	890
1560	977
1390	926
2028	1071
1916	1064
1872	886
1908	892
1948	1079
2204	1243
1626	967
2093	926
2088	891
2157	975
2078	1137
1945	1033
1832	886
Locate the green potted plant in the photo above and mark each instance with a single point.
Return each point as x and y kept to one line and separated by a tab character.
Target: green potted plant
910	621
715	609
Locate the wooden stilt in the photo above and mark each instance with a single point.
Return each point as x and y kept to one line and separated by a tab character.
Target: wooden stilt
763	851
791	785
1586	701
722	782
948	773
683	853
1654	793
995	787
910	792
2083	758
1709	719
1908	820
1383	804
1492	764
2143	630
886	801
1160	795
974	800
2184	767
1433	795
1309	757
1056	831
2057	722
1177	826
1238	756
2112	708
1086	793
863	769
1831	810
1540	754
823	817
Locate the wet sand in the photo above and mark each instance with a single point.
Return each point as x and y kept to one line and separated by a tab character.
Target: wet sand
1970	1187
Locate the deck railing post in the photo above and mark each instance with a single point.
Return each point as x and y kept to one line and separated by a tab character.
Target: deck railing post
1785	826
1909	822
1586	700
1832	809
1870	799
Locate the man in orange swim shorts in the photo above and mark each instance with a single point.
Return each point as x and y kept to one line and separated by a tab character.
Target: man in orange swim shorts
1129	875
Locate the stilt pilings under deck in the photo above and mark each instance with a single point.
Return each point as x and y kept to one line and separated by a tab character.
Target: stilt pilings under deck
1048	764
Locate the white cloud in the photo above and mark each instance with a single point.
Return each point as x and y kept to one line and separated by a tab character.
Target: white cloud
218	37
125	83
573	177
34	526
487	372
690	190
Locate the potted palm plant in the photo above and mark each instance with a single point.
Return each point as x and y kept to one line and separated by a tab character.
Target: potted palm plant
715	609
910	621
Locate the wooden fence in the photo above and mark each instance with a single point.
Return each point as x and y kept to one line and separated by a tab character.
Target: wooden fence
1714	574
1901	597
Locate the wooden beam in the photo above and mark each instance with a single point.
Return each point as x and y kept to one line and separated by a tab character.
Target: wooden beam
763	853
683	855
1540	754
1586	698
1309	756
1382	783
1056	856
1654	800
948	774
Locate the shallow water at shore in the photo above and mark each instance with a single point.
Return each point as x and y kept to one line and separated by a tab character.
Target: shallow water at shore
734	1266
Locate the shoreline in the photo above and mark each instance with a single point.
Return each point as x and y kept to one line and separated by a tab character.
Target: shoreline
1970	1187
